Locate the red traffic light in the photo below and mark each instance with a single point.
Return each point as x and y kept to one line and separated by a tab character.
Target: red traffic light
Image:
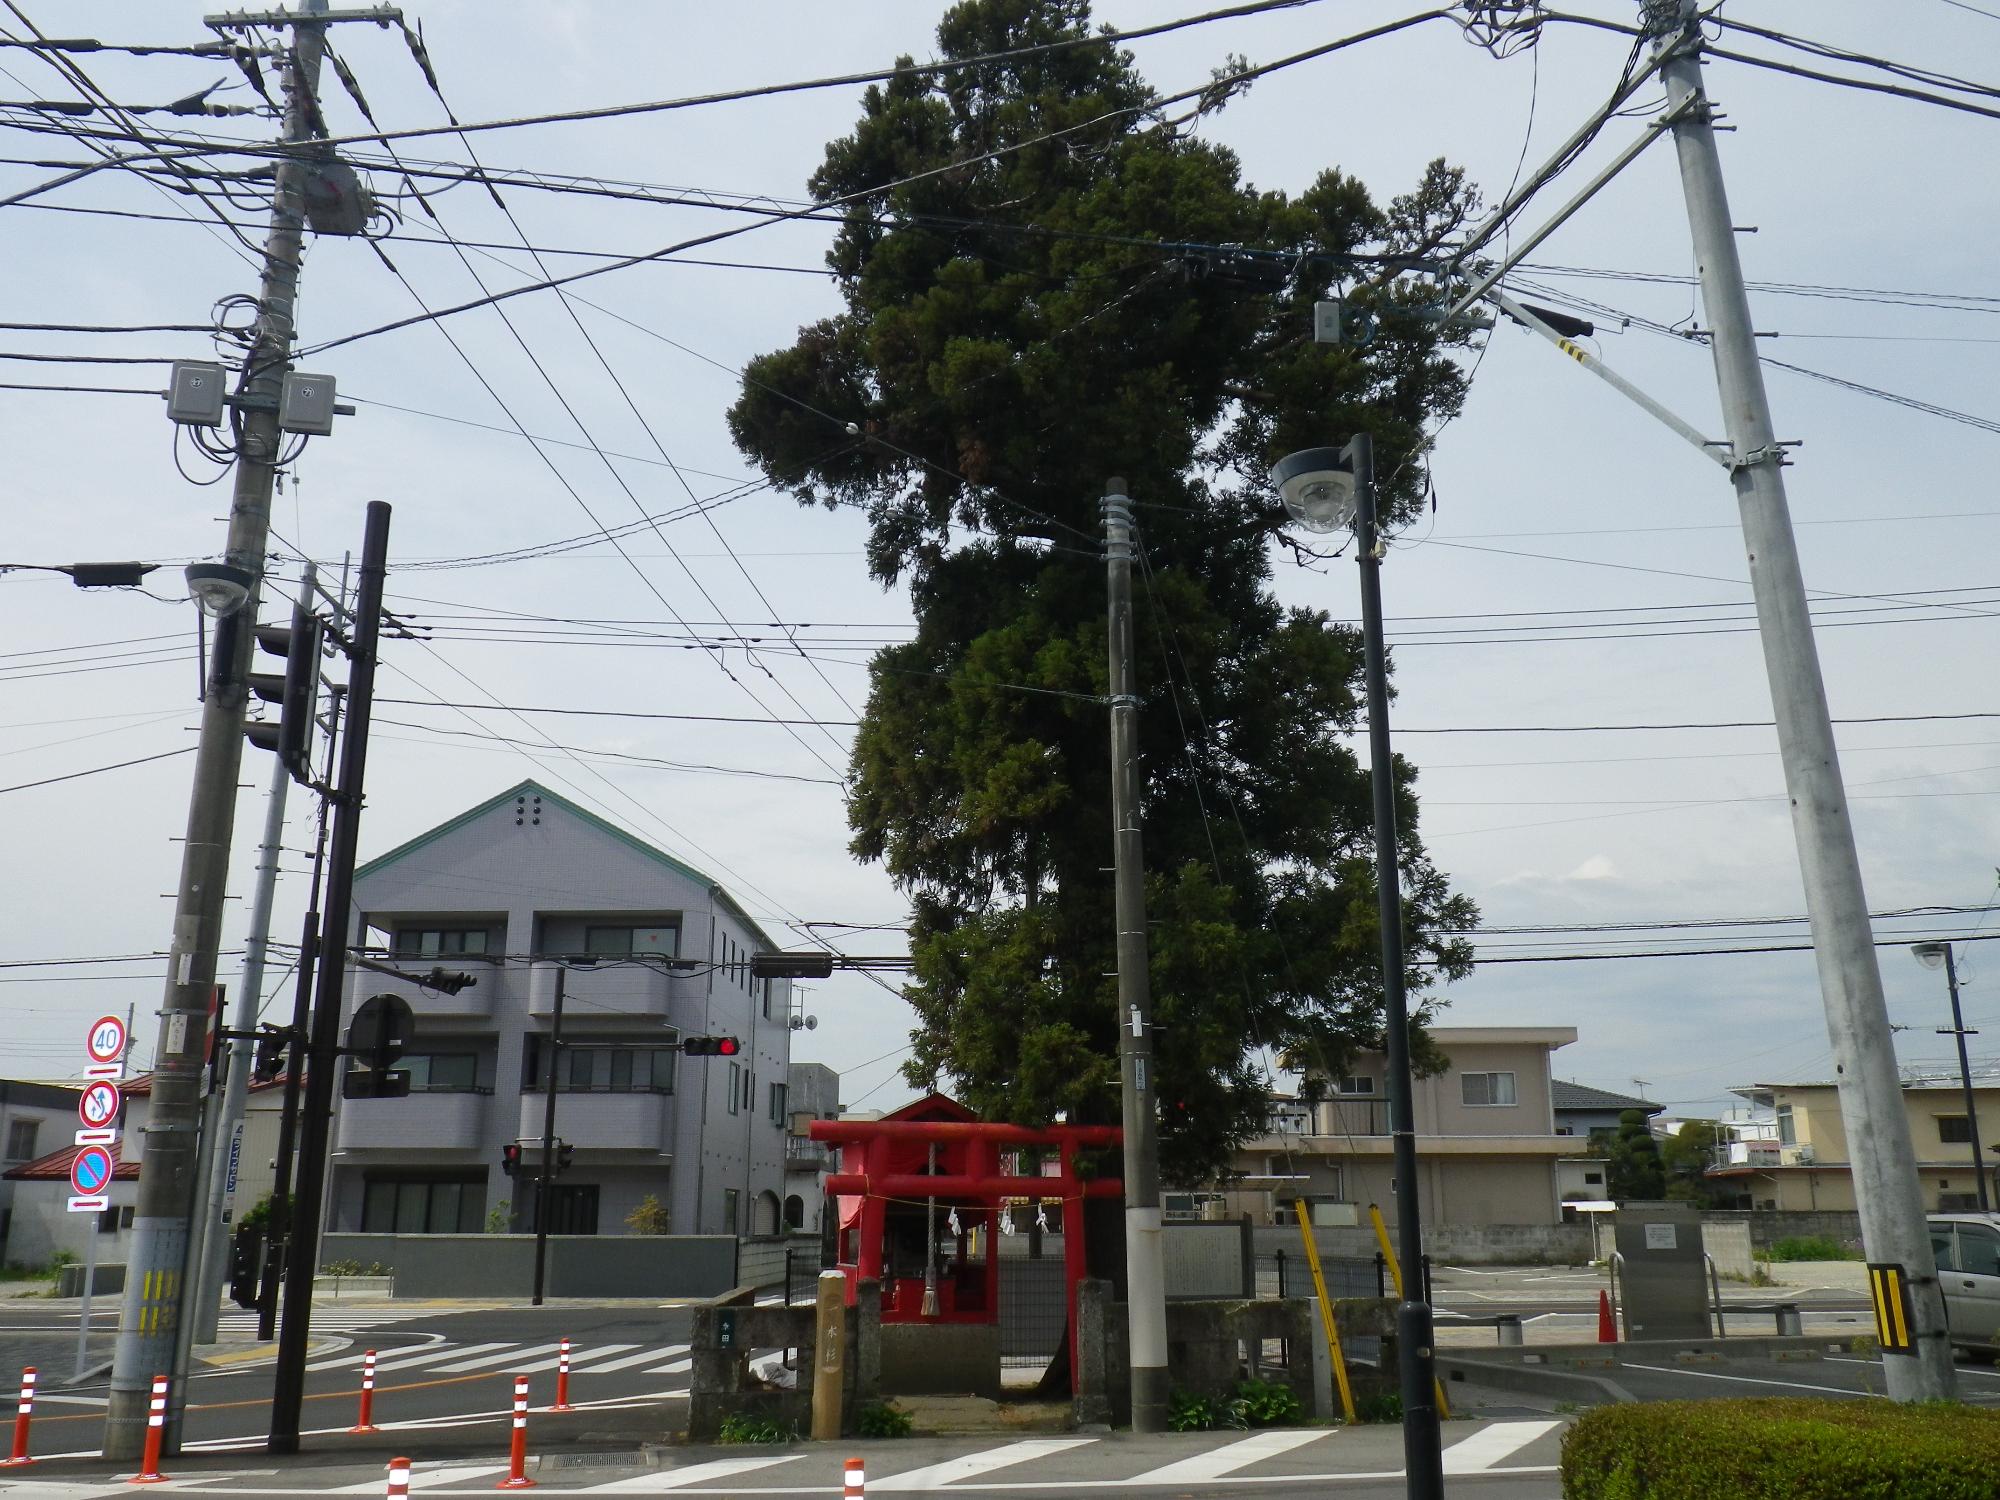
711	1046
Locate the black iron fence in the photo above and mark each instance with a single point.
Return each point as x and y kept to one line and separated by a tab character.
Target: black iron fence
1285	1273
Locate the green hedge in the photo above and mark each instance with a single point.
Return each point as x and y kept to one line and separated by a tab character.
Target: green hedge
1783	1449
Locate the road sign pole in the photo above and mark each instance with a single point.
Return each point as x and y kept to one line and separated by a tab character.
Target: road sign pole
83	1319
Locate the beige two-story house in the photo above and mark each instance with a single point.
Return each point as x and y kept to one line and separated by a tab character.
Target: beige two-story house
1801	1160
1487	1145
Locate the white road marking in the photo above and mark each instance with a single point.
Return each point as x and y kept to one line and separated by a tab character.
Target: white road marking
931	1476
674	1479
1229	1458
423	1479
387	1362
664	1351
577	1358
485	1361
1488	1446
678	1367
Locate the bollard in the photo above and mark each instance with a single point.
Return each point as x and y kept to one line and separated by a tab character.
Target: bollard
1508	1326
22	1411
365	1421
1790	1325
856	1486
517	1453
562	1379
399	1479
156	1431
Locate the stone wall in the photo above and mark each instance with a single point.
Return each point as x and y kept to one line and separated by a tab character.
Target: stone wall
1767	1226
730	1329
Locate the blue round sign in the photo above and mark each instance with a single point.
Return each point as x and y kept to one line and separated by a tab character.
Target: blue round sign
91	1171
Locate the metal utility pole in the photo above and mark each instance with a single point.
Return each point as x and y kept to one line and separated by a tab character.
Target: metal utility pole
323	1054
545	1184
1145	1277
1928	954
1857	1018
156	1261
1423	1460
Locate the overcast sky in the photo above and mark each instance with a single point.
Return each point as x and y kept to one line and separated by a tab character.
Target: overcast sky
1583	566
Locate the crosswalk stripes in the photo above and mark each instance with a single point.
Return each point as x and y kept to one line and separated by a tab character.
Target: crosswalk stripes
507	1357
665	1351
424	1479
1230	1457
328	1320
578	1358
931	1476
512	1358
1492	1445
675	1479
409	1359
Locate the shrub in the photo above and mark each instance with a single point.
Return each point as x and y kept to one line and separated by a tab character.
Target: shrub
650	1217
1186	1413
738	1427
1810	1247
1382	1406
883	1419
1265	1403
1789	1448
341	1268
60	1259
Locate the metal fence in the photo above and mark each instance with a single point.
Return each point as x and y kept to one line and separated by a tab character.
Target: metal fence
1034	1309
1285	1273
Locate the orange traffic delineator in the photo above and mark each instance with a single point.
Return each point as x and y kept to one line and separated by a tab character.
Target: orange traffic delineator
562	1379
365	1420
517	1454
1607	1326
156	1431
856	1484
399	1479
23	1410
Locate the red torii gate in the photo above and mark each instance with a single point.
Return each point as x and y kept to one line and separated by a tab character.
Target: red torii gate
937	1150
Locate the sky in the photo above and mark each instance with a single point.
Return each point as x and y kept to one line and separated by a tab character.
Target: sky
1582	566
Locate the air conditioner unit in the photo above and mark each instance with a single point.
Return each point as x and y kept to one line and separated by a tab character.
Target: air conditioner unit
1806	1157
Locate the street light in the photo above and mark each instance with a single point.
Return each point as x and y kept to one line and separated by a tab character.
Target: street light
1325	490
219	588
1931	956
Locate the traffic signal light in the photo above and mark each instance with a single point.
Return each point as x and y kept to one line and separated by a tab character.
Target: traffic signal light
446	981
246	1255
297	692
711	1046
564	1152
269	1060
510	1158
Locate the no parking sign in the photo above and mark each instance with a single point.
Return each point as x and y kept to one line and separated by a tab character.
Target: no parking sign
98	1107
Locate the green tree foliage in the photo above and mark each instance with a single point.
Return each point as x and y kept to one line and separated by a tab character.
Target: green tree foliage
1635	1170
650	1216
1685	1156
1014	331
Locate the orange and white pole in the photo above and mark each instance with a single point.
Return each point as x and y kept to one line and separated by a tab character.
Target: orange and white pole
562	1379
156	1431
856	1484
399	1479
365	1422
23	1410
517	1456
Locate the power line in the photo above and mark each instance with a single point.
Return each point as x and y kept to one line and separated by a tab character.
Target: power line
99	770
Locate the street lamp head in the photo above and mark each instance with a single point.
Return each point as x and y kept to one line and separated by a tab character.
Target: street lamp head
1317	486
219	588
1930	955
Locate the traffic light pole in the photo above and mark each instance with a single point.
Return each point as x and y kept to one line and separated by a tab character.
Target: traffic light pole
544	1197
208	1249
157	1258
323	1055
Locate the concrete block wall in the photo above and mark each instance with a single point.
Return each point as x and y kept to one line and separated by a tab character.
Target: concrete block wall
720	1381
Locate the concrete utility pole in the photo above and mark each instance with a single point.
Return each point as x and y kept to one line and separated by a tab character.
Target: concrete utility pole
156	1262
1145	1277
545	1185
1857	1018
1958	1031
288	1378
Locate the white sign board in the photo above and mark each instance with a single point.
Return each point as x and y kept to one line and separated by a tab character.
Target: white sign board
1661	1237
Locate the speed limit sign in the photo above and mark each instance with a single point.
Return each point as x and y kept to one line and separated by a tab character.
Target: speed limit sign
106	1040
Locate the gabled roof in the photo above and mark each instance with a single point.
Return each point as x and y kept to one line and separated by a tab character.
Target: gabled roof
533	788
933	1107
1567	1095
55	1167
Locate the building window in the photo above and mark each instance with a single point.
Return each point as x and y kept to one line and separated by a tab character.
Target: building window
21	1139
1359	1083
767	998
1953	1130
1487	1090
735	1087
606	1067
657	941
749	1089
423	1205
442	1072
731	1200
1593	1179
439	942
778	1103
1787	1131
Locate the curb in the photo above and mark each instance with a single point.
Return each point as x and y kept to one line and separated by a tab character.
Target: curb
1535	1380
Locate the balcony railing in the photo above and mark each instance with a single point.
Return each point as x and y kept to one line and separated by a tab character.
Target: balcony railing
436	1120
807	1154
603	1120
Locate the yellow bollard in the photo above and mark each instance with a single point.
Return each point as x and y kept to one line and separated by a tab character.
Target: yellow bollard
1326	1311
1396	1279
